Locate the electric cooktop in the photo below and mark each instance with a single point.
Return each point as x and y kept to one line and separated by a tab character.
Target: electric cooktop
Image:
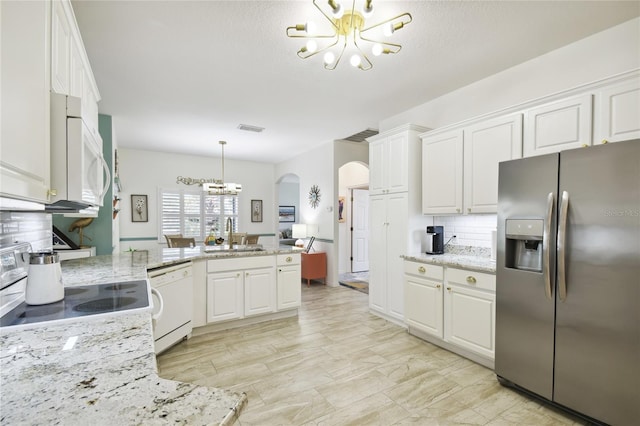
82	301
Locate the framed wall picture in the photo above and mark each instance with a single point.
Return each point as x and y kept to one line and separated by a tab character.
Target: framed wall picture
139	208
287	213
256	210
341	212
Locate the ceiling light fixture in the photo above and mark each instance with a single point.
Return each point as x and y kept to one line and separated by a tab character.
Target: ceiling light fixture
348	31
219	187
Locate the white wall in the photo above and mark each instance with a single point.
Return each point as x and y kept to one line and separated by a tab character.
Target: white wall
143	172
601	55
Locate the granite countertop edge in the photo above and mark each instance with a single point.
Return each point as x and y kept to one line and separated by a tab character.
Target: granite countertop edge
111	373
472	258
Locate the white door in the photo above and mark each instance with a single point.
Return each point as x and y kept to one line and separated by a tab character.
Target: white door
360	230
378	253
259	291
224	296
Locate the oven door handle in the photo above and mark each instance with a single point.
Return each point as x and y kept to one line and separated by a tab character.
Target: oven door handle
158	314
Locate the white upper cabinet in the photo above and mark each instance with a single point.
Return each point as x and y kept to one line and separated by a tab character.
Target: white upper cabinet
24	116
485	145
394	158
618	112
558	126
60	49
460	167
442	173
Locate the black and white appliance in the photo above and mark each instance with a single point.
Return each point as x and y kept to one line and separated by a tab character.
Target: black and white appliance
568	286
175	285
80	176
435	240
79	301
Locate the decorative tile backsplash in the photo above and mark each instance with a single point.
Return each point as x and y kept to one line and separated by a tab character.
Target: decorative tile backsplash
34	228
470	230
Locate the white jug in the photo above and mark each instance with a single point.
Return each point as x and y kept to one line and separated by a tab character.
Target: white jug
44	280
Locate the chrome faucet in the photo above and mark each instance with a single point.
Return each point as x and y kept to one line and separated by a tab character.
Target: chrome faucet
229	229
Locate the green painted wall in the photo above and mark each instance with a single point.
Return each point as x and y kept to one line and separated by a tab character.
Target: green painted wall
99	232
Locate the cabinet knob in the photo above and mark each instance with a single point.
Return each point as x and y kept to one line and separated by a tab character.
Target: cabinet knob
52	192
238	274
422	269
457	210
469	210
584	145
247	274
289	259
438	286
279	270
604	141
471	279
449	288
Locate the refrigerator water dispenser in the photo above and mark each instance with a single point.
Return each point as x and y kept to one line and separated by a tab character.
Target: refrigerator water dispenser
524	244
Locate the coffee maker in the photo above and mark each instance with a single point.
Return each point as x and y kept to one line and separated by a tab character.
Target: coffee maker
435	240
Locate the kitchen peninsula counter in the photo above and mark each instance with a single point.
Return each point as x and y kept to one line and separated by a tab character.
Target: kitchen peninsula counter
109	376
465	257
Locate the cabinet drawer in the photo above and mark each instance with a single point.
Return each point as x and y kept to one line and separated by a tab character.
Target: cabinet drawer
426	270
288	259
471	278
240	263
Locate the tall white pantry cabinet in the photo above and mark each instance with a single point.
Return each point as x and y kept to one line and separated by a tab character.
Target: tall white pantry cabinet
394	206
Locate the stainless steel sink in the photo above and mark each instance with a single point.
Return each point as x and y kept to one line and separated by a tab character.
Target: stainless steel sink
232	249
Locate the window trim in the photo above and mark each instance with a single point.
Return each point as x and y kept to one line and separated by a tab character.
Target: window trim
204	231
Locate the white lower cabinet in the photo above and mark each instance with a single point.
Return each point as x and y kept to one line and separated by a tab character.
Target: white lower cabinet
289	291
423	298
452	307
240	287
224	296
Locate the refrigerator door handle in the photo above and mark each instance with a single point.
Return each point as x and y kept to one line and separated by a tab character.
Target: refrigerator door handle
545	247
562	233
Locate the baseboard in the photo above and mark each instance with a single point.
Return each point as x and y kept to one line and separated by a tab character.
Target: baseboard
227	325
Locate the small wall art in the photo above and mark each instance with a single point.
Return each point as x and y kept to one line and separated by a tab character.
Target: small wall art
287	213
256	210
139	208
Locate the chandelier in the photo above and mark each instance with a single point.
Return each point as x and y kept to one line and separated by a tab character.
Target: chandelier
348	31
220	187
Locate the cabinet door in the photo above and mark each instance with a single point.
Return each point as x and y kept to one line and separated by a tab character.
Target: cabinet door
396	163
289	293
378	172
377	252
259	291
423	305
485	145
60	50
224	296
76	69
25	80
557	126
396	246
618	116
470	319
442	173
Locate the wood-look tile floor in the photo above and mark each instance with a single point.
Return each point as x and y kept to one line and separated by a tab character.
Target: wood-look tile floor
337	364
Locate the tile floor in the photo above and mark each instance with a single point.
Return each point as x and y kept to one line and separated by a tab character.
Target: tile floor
339	365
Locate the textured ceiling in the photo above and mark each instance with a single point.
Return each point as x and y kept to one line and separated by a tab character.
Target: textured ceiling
178	76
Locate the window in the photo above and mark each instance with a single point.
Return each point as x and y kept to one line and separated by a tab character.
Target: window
193	213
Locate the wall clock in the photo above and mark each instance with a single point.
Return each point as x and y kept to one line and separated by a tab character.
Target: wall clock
314	196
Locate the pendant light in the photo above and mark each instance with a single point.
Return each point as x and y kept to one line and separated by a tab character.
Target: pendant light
220	187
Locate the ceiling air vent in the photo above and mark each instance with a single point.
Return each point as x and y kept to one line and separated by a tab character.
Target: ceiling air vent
361	136
250	128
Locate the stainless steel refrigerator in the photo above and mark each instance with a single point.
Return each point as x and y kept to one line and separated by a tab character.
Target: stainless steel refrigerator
568	279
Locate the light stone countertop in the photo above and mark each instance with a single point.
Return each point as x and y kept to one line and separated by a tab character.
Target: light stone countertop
465	257
110	375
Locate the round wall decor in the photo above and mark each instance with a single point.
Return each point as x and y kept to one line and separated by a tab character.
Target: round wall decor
314	196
